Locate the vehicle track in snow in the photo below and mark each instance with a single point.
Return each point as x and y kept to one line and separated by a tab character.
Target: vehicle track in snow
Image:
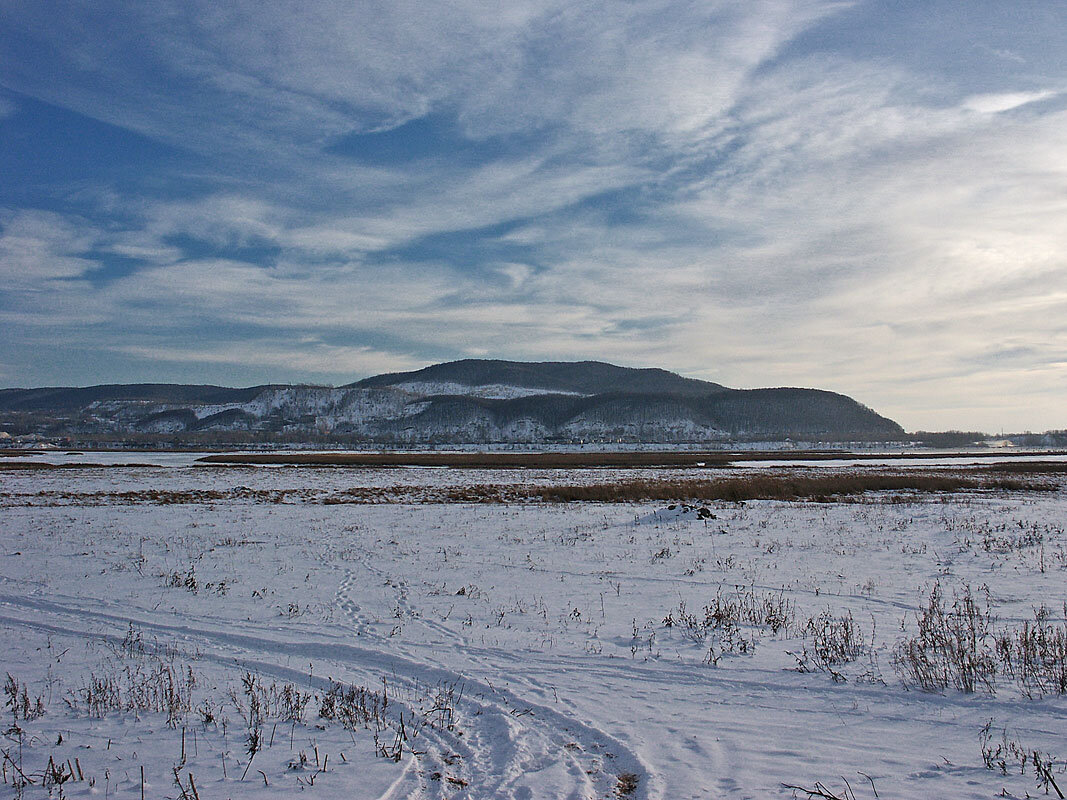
503	744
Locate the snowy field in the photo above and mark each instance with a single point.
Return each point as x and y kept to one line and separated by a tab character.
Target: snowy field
190	631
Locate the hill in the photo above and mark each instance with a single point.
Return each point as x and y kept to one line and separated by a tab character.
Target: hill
470	401
570	377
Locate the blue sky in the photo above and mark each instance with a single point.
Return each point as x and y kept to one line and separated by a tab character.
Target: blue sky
865	197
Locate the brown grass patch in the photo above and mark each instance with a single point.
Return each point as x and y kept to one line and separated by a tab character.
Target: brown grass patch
31	466
789	487
159	496
626	784
783	487
803	484
1026	467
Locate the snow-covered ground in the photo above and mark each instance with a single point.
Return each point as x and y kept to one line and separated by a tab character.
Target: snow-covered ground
368	644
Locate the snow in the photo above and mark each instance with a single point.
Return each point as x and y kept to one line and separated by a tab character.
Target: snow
489	391
540	628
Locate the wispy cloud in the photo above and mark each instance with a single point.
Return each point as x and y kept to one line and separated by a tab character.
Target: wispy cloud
306	356
995	103
38	247
775	192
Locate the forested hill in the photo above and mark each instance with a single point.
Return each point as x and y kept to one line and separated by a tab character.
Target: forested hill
470	401
579	377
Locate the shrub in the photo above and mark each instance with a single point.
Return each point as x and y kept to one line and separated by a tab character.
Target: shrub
1036	654
835	640
1008	752
353	706
953	646
19	703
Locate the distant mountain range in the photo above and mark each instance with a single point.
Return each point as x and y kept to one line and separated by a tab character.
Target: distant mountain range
469	401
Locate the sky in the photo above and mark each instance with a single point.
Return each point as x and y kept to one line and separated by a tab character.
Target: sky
866	197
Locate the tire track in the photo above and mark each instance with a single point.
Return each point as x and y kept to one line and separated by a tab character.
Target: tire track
510	747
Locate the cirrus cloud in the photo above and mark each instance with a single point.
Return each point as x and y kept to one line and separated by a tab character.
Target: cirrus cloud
776	192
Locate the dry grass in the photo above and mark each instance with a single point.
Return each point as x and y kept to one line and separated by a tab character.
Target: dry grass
1027	467
626	784
961	645
820	488
793	485
782	487
159	496
33	466
30	466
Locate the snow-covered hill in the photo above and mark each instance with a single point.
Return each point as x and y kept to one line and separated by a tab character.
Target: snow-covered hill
467	401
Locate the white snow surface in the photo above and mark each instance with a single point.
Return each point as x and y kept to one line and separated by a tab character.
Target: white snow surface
528	640
489	391
332	407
